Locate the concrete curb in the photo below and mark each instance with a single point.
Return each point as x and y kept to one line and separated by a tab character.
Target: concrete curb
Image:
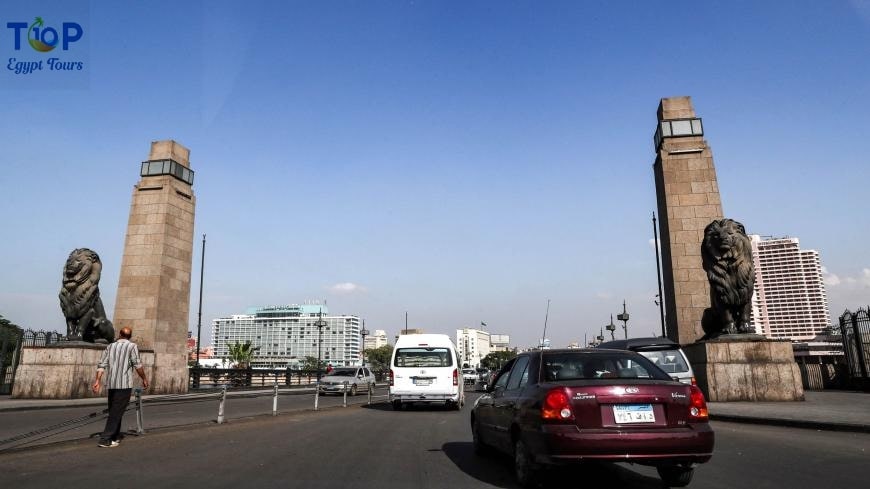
792	423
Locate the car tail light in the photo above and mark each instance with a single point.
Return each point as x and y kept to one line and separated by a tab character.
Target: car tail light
392	376
694	382
557	406
455	377
697	406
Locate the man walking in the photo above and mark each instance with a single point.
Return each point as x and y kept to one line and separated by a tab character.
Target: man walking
119	359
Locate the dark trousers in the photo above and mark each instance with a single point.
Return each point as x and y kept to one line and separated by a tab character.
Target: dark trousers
118	401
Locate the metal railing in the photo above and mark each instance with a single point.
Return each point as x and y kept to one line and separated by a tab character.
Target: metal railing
855	329
213	378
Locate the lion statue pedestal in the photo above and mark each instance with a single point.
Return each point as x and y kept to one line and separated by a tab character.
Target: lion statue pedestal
66	370
746	367
732	363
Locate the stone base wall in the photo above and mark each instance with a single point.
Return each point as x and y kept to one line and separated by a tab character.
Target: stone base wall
64	372
746	370
170	375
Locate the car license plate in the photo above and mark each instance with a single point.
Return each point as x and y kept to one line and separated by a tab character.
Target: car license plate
634	413
422	381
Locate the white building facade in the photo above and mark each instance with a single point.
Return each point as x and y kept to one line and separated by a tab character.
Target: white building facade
499	342
376	340
285	335
472	346
790	301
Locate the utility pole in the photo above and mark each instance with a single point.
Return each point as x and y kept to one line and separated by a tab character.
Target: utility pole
661	301
624	318
199	315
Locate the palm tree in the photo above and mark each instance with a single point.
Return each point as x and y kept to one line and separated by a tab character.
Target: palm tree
241	354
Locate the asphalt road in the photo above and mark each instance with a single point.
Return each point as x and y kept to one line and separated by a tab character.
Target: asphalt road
157	415
375	447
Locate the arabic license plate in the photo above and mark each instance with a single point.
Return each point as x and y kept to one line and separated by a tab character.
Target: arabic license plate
422	381
634	413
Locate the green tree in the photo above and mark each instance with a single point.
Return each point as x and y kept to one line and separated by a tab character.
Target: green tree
497	359
310	364
241	354
6	322
379	358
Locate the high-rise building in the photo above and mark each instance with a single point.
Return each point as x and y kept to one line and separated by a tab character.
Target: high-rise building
376	340
285	335
472	345
789	300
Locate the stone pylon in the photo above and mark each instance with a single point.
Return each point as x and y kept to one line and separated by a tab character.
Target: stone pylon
688	200
154	286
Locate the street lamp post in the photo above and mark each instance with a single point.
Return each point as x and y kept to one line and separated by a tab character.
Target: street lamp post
320	323
611	327
364	332
624	318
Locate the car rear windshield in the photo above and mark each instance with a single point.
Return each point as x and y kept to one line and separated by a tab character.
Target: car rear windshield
671	361
343	372
587	366
423	357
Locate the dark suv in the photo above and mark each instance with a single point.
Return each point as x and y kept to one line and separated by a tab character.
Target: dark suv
565	406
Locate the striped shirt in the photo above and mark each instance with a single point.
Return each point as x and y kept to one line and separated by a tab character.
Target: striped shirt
120	358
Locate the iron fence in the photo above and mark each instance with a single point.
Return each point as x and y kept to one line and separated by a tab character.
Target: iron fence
205	377
10	346
855	328
212	378
42	338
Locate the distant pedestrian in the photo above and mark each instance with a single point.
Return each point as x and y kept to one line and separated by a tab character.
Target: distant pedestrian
118	360
329	369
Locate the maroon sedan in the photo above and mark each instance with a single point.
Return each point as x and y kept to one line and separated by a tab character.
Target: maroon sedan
607	405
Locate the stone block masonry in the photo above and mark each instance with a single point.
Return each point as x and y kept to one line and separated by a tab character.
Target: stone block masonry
688	200
154	287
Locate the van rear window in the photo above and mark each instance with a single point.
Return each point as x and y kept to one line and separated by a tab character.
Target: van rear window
423	357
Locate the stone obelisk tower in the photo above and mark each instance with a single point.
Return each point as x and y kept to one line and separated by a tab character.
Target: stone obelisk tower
154	288
688	200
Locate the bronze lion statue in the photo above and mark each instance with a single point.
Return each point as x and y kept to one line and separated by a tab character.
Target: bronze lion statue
80	299
726	254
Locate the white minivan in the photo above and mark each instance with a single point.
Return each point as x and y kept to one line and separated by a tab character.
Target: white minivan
425	368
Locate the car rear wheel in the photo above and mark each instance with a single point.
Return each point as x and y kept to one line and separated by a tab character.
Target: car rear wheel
525	468
397	405
353	390
676	476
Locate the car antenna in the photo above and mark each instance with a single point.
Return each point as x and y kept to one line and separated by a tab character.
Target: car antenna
543	337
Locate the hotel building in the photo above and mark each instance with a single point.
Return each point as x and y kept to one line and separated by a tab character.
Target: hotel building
285	335
789	300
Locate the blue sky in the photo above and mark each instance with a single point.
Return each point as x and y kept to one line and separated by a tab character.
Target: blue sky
462	161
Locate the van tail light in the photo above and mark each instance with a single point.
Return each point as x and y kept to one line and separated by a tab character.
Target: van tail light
455	377
392	376
557	406
697	406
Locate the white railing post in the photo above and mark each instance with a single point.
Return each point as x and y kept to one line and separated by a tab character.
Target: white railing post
140	417
220	418
344	404
275	400
316	394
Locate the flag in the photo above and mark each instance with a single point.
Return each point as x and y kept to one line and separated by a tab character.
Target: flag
483	324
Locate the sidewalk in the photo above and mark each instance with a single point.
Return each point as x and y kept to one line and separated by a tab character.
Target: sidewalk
821	410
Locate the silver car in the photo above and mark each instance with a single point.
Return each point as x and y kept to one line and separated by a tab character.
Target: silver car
357	379
663	352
